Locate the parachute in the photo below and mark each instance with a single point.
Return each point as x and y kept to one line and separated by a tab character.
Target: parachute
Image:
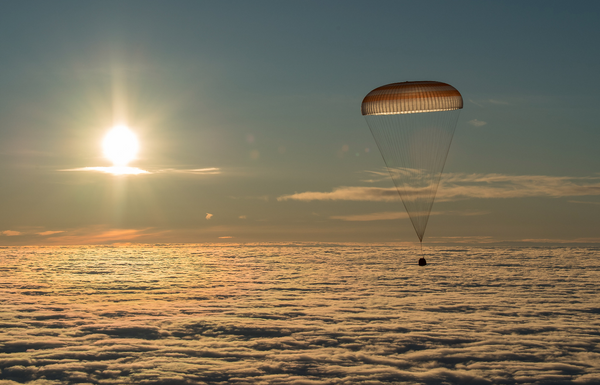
413	124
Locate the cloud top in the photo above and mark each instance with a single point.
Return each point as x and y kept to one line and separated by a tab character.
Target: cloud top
298	315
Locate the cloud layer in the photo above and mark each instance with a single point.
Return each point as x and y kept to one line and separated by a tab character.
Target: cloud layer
457	186
298	315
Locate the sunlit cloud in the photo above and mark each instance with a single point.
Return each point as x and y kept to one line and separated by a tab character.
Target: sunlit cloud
348	194
477	123
461	186
458	186
208	216
195	171
99	235
242	217
377	176
11	233
392	215
226	237
45	233
384	216
119	170
115	170
198	314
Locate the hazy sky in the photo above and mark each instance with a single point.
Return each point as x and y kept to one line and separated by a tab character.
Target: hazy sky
242	108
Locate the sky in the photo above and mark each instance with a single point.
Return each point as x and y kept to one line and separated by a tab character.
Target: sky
249	125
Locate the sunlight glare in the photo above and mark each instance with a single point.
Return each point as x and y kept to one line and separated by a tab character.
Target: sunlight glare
120	146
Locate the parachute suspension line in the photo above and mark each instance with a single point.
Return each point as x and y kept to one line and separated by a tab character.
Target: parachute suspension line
414	148
413	124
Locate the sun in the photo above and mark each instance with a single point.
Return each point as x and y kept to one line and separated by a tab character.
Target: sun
120	146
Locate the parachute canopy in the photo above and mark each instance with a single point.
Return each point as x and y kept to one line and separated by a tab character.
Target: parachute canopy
413	124
411	97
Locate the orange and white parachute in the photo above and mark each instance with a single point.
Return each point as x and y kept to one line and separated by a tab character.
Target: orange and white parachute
413	124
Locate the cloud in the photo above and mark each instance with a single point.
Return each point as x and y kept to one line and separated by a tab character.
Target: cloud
477	123
225	237
242	217
347	193
467	240
458	186
585	202
462	186
137	171
195	171
476	103
112	170
101	236
45	233
208	216
391	215
11	233
482	103
586	240
299	315
384	216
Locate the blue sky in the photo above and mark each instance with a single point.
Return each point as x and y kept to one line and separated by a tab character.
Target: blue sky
241	107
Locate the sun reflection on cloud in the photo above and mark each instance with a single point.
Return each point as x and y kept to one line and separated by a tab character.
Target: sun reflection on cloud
115	170
121	146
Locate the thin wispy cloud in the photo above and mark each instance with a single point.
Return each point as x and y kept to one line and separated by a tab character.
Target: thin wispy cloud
112	170
101	235
585	202
392	215
383	216
583	240
385	194
476	103
50	232
477	122
137	171
11	233
457	186
194	171
483	103
460	186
